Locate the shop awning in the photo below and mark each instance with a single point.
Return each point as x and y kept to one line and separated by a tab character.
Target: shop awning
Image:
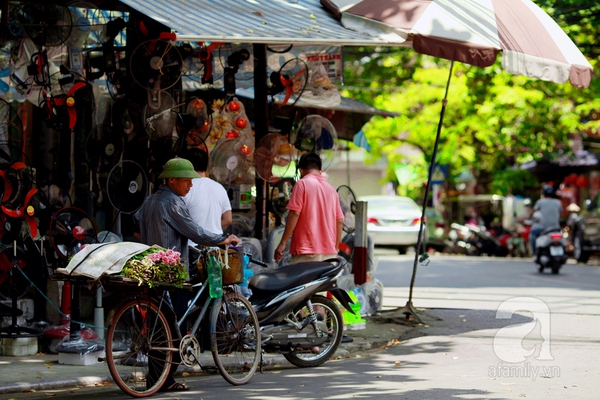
256	21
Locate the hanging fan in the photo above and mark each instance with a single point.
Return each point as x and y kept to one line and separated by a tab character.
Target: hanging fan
126	117
156	65
227	161
86	25
103	147
159	115
21	284
51	199
240	61
46	24
272	157
348	204
71	229
280	195
127	187
194	125
316	134
290	80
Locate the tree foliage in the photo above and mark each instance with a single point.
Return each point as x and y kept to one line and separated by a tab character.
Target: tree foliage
493	120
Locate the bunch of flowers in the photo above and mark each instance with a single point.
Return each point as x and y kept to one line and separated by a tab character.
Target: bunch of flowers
156	265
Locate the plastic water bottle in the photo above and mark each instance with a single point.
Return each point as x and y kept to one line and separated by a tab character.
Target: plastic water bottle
215	278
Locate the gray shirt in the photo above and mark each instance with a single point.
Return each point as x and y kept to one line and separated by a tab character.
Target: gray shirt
165	221
550	210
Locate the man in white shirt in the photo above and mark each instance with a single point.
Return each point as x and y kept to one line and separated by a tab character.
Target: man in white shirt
207	200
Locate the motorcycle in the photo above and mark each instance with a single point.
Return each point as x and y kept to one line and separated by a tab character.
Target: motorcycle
550	250
475	241
295	321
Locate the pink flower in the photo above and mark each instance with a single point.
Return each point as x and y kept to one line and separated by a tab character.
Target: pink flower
155	256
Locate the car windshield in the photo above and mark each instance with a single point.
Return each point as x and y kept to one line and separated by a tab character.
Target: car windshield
392	203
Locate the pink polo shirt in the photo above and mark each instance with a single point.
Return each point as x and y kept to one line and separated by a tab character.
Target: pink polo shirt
319	207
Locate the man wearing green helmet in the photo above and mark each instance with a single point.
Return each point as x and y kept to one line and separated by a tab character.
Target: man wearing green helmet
164	220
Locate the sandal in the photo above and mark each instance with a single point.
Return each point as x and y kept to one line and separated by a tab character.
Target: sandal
176	387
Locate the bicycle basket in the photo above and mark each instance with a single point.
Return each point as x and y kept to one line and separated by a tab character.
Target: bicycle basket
232	269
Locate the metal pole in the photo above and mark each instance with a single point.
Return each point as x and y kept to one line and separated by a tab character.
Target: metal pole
261	128
409	309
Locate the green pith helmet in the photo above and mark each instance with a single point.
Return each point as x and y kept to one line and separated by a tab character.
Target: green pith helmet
178	168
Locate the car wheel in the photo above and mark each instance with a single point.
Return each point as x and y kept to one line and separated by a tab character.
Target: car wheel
578	253
402	250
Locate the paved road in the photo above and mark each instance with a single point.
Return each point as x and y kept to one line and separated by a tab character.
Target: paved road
544	345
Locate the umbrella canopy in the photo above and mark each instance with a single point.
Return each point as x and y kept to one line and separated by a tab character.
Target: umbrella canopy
474	32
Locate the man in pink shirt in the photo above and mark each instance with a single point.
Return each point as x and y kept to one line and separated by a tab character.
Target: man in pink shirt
315	216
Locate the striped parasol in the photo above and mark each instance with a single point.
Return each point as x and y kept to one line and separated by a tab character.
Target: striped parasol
474	32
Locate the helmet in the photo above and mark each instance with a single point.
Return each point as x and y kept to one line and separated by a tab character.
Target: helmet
548	191
178	168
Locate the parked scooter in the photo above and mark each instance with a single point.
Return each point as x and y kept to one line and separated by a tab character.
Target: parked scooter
476	241
550	250
294	321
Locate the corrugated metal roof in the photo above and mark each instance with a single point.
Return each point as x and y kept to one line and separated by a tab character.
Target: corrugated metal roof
255	21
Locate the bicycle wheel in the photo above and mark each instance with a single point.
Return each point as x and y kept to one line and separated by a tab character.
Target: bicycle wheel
235	338
138	347
330	323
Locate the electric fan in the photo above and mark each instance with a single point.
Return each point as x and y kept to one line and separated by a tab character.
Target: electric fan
103	147
87	27
194	125
234	63
127	187
316	134
52	199
126	118
290	80
156	65
272	157
280	195
45	24
159	115
348	204
373	290
10	281
228	161
70	230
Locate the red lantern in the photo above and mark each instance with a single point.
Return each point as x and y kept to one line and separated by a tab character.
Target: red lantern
582	181
234	106
241	123
245	150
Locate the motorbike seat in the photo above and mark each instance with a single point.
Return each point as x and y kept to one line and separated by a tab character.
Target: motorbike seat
292	275
549	230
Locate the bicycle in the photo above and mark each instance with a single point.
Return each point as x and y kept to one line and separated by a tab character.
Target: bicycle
144	340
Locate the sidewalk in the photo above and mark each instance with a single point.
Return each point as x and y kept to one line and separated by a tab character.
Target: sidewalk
42	371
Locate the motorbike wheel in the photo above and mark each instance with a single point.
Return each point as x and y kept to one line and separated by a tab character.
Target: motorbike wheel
332	318
555	267
578	253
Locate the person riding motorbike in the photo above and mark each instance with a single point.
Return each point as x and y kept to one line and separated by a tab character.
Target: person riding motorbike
546	214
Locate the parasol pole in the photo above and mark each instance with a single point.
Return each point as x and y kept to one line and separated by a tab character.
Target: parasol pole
409	310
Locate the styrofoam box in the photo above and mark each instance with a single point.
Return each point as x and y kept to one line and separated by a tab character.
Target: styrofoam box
17	347
80	359
25	305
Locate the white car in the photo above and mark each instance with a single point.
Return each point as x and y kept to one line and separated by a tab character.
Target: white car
394	221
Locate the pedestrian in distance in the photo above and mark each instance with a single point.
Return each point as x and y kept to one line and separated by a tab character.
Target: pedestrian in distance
315	219
165	220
